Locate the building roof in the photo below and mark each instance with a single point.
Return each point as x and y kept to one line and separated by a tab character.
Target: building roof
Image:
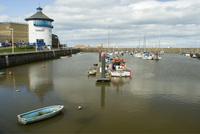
39	16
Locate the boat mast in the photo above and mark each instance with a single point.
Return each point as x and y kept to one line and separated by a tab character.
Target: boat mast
159	44
139	45
108	38
144	43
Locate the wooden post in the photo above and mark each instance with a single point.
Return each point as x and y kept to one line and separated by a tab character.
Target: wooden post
99	56
103	65
7	60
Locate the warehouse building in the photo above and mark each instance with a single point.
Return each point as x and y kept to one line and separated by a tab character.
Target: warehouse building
20	32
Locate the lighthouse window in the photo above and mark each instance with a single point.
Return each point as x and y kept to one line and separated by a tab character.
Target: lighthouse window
43	23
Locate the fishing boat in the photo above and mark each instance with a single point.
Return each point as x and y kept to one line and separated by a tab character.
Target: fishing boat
119	69
39	114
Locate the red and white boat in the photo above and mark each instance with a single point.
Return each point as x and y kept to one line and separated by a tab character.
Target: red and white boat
119	69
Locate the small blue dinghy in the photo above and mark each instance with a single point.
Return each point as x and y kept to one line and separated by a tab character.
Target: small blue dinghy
39	114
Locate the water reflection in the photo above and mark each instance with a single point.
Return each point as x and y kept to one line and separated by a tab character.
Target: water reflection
34	78
103	94
159	93
119	82
167	80
116	82
14	82
40	80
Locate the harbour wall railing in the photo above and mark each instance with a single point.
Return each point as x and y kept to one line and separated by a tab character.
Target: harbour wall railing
9	60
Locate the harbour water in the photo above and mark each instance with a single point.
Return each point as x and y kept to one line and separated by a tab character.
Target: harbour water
162	97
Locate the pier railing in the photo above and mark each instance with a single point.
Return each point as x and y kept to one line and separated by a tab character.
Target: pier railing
19	58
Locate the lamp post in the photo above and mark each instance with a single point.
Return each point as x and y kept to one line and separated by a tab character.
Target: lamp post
12	31
12	37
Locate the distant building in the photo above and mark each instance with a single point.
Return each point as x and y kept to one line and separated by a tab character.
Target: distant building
82	46
40	29
37	31
20	32
55	41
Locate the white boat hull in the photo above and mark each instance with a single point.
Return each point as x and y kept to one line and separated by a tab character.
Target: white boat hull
120	74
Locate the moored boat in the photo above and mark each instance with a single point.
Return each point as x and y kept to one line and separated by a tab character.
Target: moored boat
39	114
187	54
2	73
121	73
138	55
147	56
119	69
92	70
156	56
64	57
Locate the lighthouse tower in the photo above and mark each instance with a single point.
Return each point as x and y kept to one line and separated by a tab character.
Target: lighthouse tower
40	29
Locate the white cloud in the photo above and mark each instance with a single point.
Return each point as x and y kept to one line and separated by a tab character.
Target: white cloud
4	18
174	22
128	20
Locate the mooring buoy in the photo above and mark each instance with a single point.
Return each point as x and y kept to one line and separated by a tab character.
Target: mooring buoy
80	107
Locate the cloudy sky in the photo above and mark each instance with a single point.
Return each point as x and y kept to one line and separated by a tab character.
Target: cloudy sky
125	23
